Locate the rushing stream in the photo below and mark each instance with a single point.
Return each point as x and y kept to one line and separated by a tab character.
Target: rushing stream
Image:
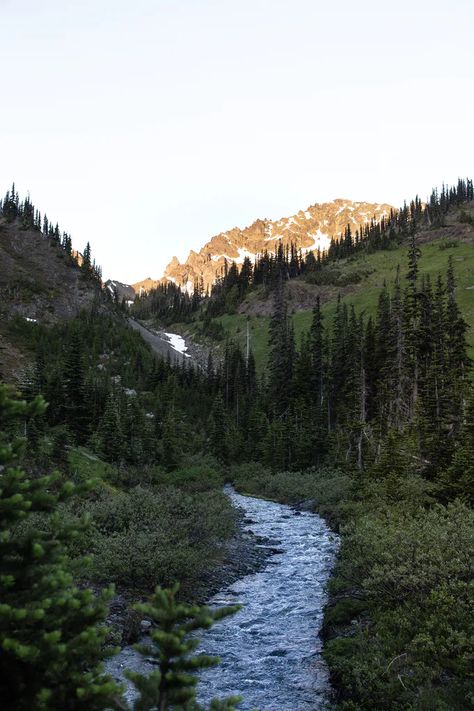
270	651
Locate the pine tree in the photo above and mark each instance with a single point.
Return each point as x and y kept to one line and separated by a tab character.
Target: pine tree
110	431
411	320
172	444
459	478
173	684
51	633
218	429
75	407
86	265
317	362
280	359
457	360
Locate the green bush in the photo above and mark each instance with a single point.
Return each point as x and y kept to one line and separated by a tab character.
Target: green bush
413	573
329	489
148	537
198	474
332	275
466	218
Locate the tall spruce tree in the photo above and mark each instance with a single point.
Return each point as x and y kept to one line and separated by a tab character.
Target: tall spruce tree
281	353
75	406
51	633
459	478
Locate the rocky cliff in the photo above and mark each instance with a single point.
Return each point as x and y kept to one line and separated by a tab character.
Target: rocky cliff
310	229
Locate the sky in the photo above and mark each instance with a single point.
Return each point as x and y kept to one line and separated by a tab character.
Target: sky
147	126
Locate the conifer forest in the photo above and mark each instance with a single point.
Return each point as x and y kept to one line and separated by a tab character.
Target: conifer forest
116	462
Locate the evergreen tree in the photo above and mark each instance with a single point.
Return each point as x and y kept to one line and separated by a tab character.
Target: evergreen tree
86	265
110	431
51	633
457	360
411	320
75	406
218	429
173	684
172	442
281	350
459	478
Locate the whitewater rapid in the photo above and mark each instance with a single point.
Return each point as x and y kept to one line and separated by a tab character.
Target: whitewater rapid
270	651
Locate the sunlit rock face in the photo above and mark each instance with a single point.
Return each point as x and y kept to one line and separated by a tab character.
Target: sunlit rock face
308	230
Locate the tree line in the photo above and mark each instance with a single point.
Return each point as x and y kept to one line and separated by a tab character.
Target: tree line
289	261
28	217
357	387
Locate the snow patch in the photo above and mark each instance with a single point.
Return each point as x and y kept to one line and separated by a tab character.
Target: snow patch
321	241
216	257
238	260
244	253
178	343
291	221
31	320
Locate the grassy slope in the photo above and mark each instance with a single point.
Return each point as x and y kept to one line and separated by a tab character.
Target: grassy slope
382	266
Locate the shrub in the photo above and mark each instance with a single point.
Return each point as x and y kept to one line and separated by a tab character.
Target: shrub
329	489
413	571
148	537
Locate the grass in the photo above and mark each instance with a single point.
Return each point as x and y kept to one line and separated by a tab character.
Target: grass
379	267
82	465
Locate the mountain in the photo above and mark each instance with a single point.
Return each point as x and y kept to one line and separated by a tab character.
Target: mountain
146	285
311	229
123	291
38	280
39	283
358	281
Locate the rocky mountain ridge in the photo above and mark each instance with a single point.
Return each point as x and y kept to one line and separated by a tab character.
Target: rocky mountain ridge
308	230
39	283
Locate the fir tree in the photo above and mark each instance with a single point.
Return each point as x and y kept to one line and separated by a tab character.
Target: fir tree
51	633
75	407
218	429
110	431
173	684
280	359
459	478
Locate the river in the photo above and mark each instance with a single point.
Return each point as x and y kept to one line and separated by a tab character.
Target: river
270	651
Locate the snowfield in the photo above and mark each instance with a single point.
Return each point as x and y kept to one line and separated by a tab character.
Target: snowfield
178	343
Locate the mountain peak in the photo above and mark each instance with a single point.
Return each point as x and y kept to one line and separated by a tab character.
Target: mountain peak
308	230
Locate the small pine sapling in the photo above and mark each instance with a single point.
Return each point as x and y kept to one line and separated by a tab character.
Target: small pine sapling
173	684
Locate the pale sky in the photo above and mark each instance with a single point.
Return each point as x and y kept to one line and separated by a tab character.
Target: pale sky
148	126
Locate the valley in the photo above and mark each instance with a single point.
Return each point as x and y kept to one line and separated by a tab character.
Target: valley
327	395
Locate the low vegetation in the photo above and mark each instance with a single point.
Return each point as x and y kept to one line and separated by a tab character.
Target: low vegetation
403	601
367	417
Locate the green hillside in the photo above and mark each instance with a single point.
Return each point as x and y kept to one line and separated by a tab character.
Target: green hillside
376	268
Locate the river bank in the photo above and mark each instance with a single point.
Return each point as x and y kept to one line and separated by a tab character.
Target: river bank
242	554
270	650
397	626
